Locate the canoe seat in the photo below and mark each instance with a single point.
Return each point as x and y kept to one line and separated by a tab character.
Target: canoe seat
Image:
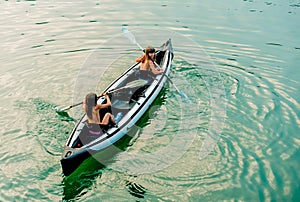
88	133
140	92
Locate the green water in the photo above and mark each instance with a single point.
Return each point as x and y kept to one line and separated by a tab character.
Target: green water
237	61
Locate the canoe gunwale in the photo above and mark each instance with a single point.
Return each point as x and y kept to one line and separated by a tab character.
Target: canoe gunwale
133	115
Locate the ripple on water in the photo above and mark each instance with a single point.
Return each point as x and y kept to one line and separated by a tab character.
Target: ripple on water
253	132
255	155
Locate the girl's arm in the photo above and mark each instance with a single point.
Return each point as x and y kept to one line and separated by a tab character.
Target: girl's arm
141	58
84	105
156	70
107	104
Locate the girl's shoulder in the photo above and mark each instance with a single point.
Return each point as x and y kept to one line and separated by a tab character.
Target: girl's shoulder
141	58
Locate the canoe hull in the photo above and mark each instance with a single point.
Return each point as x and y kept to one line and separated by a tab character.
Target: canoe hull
74	155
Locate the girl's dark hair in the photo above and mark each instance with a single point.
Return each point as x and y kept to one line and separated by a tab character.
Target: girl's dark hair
149	49
91	101
146	57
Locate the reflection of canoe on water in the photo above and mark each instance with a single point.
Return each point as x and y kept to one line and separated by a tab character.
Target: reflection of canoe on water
130	101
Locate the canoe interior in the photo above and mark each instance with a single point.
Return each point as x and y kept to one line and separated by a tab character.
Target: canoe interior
129	101
122	102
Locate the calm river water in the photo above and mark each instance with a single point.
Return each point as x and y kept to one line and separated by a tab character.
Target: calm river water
237	61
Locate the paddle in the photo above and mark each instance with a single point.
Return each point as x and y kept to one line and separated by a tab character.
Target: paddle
132	84
182	94
131	38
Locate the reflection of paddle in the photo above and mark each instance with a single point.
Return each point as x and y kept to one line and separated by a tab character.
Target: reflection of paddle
132	84
131	38
121	104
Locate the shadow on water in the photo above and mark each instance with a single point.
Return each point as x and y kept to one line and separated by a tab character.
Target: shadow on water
82	180
85	176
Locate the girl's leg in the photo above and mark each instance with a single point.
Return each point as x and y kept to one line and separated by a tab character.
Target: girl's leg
108	117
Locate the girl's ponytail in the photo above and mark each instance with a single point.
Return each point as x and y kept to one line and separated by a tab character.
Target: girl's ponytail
91	101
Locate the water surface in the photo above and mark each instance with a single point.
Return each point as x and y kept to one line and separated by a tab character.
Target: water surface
236	60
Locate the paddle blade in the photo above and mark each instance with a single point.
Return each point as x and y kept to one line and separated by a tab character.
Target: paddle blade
184	97
132	84
128	35
61	112
136	83
131	37
63	115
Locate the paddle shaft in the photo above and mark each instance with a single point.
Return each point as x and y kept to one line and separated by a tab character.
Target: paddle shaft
75	105
166	76
130	85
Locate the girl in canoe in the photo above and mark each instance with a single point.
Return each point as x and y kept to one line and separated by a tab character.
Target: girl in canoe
92	111
148	69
